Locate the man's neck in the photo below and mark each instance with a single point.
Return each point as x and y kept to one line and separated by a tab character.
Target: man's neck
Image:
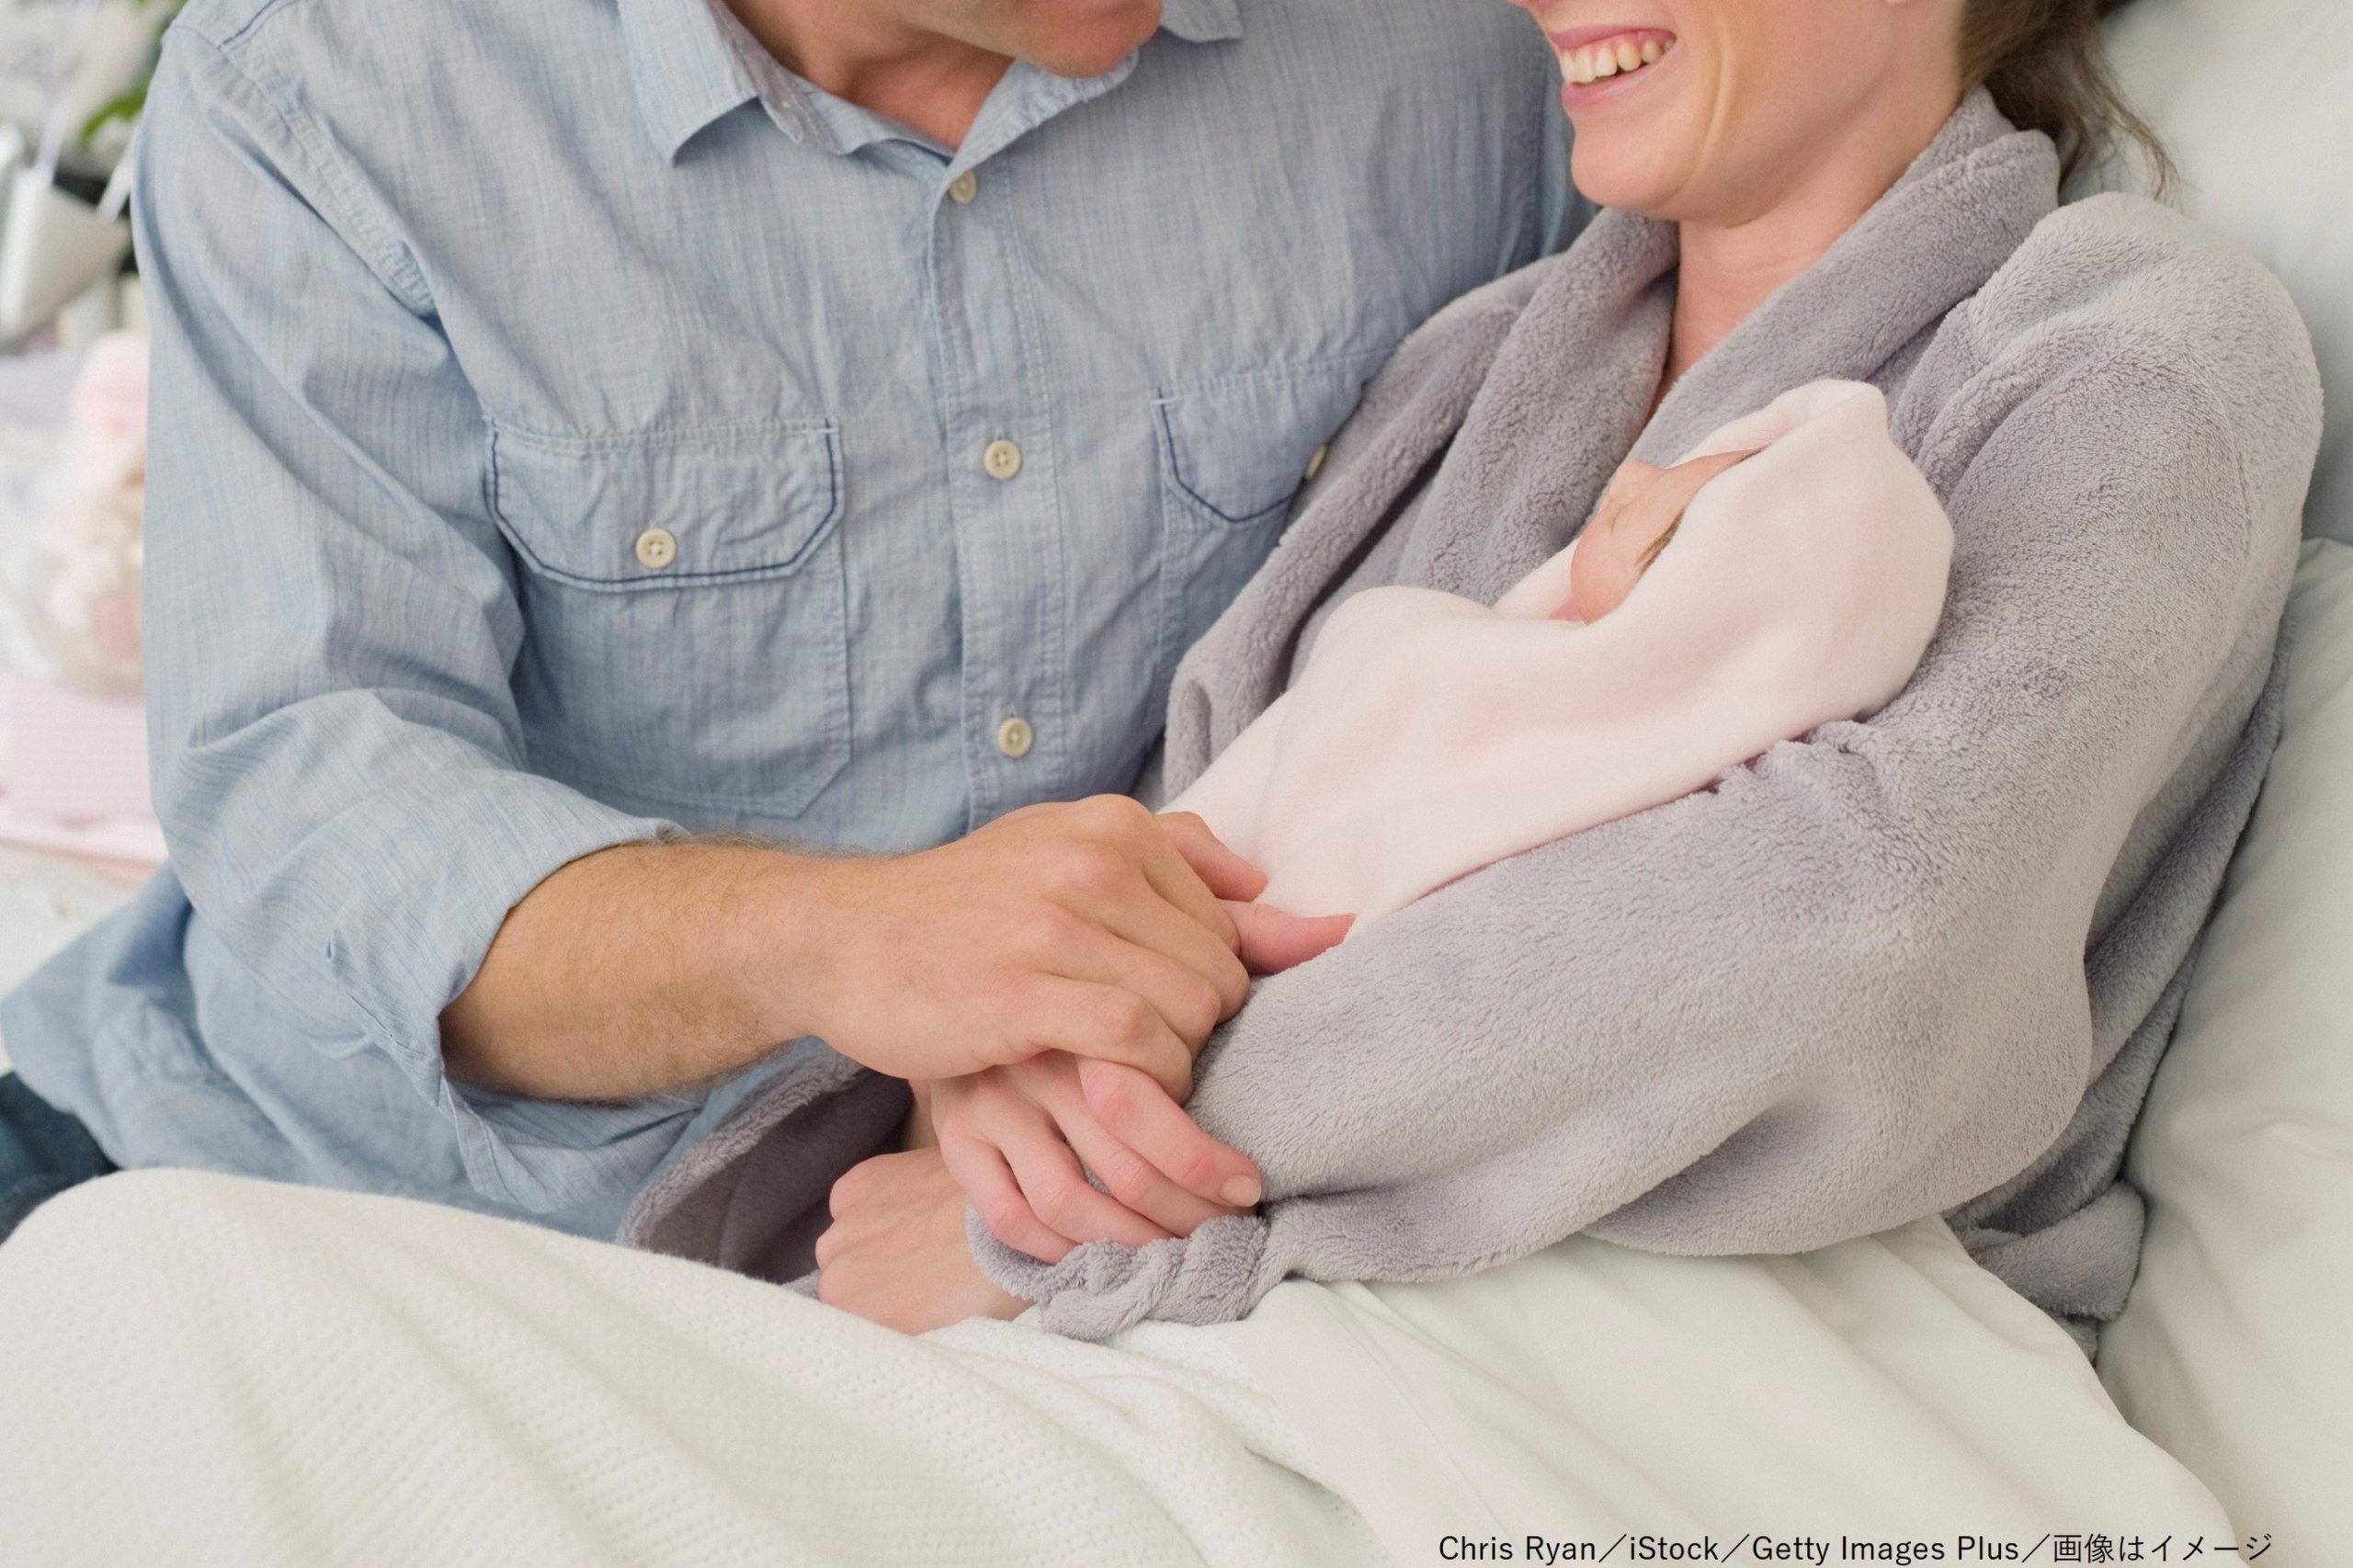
927	80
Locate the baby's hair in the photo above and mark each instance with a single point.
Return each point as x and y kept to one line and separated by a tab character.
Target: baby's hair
1650	552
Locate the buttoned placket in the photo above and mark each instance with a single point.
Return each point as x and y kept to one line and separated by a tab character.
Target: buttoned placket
996	417
997	424
995	414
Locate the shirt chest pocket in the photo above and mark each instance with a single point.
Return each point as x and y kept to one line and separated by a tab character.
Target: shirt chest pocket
685	625
1234	455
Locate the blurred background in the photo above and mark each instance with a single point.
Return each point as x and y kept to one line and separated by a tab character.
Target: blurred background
75	827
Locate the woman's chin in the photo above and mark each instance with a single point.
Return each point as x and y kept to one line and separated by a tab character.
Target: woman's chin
1611	172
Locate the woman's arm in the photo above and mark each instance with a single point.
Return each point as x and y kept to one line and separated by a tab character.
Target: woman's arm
1845	988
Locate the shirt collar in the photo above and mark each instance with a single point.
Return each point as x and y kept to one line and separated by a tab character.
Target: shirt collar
688	71
1202	21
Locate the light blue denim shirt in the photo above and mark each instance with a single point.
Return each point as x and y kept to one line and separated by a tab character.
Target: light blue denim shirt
570	425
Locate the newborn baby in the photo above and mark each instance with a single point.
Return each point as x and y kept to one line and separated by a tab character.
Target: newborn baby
1789	572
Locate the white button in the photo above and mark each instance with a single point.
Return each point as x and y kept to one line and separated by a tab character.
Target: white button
1003	460
1015	737
963	188
656	548
1316	463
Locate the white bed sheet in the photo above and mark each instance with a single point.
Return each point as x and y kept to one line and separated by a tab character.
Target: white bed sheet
202	1369
1886	1389
2231	1350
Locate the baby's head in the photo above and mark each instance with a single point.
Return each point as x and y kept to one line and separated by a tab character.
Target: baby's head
1639	515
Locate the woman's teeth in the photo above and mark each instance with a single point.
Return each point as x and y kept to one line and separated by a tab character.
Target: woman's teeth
1611	57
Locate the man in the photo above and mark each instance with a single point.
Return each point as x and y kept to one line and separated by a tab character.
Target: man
590	433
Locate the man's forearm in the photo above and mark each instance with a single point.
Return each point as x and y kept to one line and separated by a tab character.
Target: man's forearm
1081	927
640	969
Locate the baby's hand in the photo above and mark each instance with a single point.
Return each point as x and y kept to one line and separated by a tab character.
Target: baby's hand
1020	1141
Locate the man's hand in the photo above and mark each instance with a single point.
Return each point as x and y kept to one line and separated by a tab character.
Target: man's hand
1269	940
1092	927
895	1252
1080	928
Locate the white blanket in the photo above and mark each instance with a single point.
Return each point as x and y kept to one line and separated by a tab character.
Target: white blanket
202	1369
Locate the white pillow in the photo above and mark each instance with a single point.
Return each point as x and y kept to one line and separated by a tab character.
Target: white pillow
2255	100
2233	1351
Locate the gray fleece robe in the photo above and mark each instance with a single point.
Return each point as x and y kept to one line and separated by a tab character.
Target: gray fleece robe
1920	964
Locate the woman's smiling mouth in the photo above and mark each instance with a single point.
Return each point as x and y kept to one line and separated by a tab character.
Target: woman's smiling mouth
1596	55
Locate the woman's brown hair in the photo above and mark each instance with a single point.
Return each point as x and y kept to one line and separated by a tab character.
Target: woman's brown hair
2047	67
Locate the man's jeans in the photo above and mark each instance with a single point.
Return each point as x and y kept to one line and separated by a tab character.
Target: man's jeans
42	1151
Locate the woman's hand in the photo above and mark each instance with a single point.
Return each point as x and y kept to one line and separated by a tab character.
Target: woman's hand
1021	1140
895	1252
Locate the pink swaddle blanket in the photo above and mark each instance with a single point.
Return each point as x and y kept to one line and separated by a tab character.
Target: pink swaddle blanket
1429	735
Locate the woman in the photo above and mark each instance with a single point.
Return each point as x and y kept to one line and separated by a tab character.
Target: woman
1924	963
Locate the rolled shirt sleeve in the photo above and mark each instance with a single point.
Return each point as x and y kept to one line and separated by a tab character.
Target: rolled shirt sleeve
331	615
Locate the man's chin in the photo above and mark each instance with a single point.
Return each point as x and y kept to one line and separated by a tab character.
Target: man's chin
1091	47
1079	65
